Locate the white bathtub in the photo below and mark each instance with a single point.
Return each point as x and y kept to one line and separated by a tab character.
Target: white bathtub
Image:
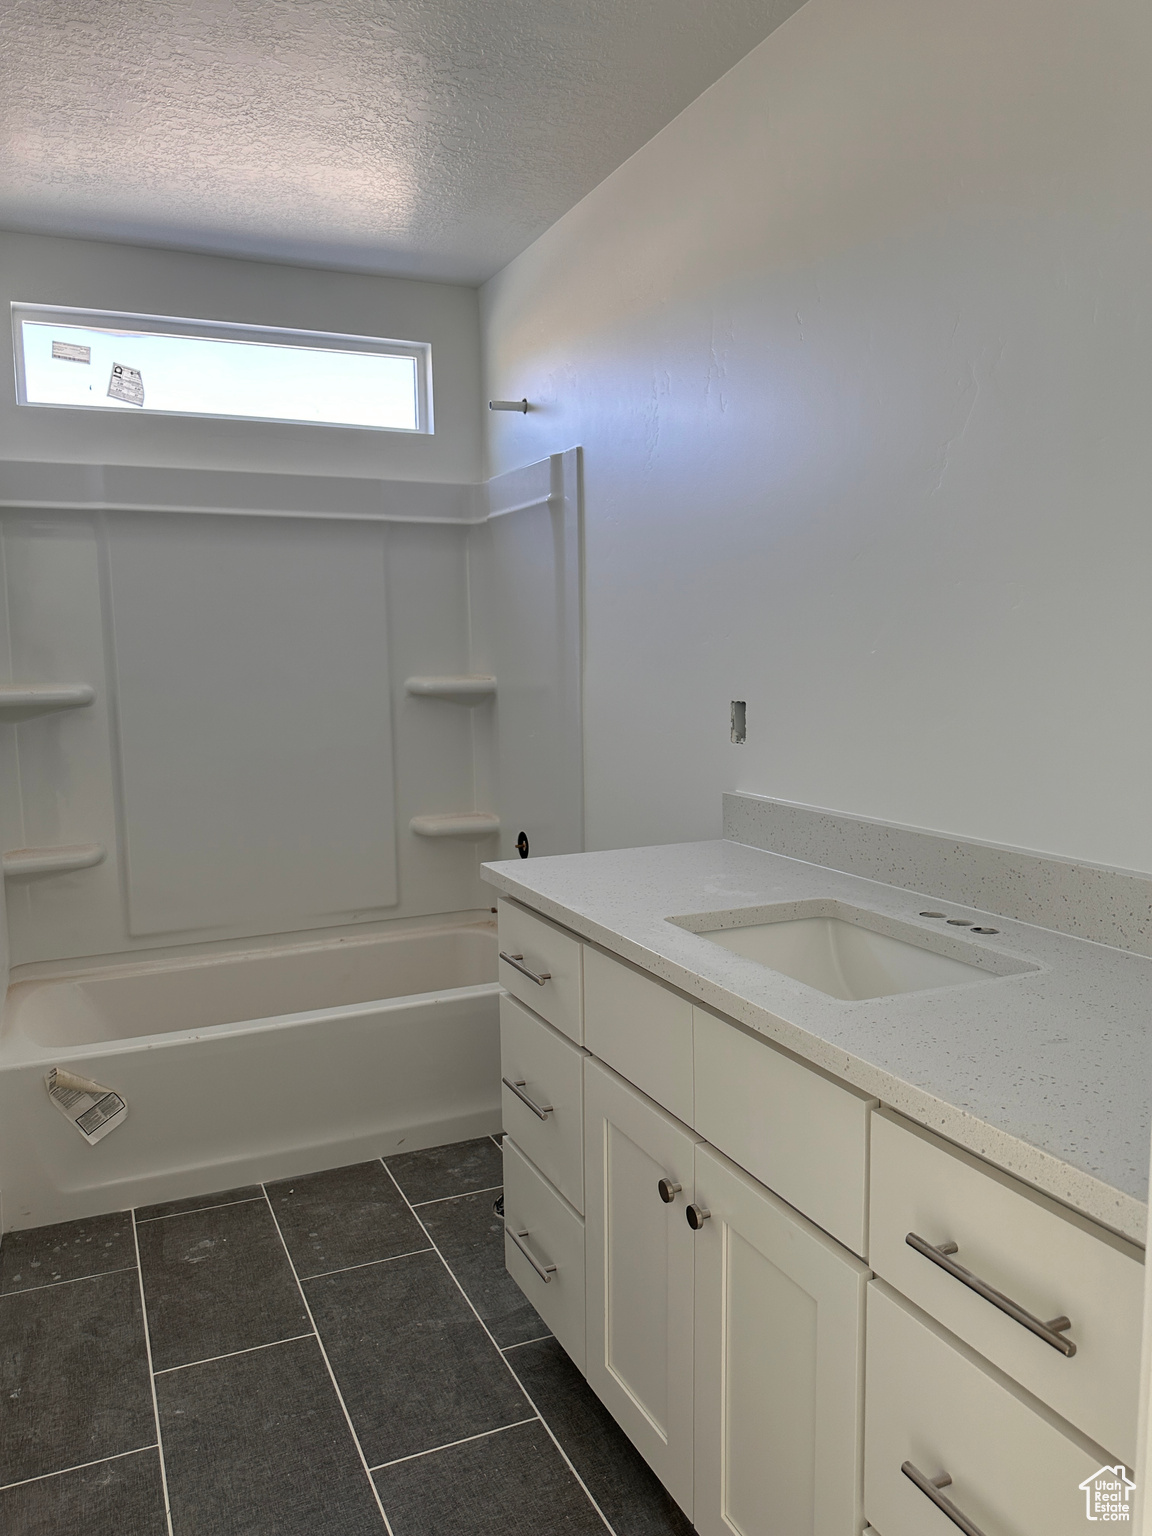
251	1066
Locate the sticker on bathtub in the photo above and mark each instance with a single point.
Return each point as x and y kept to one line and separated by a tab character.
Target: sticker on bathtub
93	1109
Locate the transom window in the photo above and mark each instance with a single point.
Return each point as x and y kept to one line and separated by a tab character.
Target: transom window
159	365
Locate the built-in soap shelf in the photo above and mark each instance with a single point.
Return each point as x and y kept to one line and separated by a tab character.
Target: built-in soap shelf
52	861
469	825
469	688
20	701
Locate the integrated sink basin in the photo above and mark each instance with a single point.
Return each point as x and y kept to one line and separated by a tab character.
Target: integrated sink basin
849	952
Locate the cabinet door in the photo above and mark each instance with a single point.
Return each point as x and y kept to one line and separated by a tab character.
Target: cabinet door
639	1273
779	1376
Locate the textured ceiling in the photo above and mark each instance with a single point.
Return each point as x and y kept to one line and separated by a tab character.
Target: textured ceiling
433	138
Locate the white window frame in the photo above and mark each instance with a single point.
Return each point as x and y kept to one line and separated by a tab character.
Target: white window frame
170	325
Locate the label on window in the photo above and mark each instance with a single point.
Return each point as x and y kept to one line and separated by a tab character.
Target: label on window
71	352
126	384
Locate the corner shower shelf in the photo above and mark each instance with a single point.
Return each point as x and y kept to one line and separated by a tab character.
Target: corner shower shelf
470	825
19	701
53	861
468	688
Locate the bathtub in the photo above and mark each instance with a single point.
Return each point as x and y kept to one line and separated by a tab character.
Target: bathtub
242	1067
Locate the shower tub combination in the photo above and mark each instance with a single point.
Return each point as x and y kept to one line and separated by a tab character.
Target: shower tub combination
242	1067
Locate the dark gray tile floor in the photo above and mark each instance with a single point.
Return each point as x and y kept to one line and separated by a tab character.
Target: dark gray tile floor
349	1216
342	1353
470	1238
216	1282
46	1255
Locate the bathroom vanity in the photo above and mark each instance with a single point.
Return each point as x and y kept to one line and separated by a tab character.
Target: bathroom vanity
835	1194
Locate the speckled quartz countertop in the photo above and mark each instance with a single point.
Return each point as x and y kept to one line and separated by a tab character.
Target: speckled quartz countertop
1046	1073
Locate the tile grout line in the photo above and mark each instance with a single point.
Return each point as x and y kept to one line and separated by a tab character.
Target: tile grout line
368	1263
507	1364
79	1467
231	1355
419	1205
152	1378
50	1285
200	1210
467	1440
520	1343
328	1366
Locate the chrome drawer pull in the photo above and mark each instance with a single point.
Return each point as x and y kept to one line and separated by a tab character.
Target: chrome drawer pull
931	1486
541	1111
545	1271
668	1190
1051	1332
514	962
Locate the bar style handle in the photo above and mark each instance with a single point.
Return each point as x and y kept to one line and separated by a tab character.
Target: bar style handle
541	1111
930	1487
514	962
545	1271
1052	1332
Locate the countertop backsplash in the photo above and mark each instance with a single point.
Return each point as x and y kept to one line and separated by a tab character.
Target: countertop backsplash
1088	901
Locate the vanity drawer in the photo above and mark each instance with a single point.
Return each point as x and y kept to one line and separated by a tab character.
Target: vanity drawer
931	1405
547	952
1047	1260
797	1131
547	1069
641	1029
549	1266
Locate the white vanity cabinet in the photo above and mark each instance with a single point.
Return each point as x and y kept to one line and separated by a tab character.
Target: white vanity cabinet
541	1025
779	1365
730	1351
639	1254
712	1284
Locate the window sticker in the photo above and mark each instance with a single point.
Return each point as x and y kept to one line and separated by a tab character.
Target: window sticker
126	384
71	353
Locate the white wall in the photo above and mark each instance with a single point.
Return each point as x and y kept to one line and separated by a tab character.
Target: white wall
858	350
89	274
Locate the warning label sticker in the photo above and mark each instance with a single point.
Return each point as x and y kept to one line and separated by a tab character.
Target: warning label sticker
71	352
91	1107
126	384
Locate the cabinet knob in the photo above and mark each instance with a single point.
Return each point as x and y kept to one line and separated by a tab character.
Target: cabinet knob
669	1189
697	1216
